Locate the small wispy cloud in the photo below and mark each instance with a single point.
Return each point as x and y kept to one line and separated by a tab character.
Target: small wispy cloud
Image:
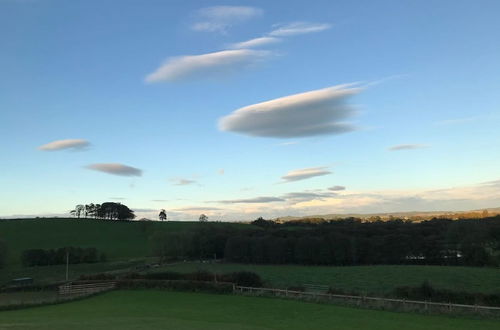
207	65
160	200
407	147
254	43
71	144
305	173
336	188
290	143
318	112
115	169
221	18
117	198
255	200
221	171
296	28
457	121
182	182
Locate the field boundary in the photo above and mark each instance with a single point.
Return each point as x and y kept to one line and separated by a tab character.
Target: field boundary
367	301
85	289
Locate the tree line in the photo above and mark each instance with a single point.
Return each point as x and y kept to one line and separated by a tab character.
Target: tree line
108	211
341	242
74	255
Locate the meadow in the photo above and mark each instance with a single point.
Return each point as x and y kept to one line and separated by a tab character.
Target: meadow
119	240
362	279
144	309
127	245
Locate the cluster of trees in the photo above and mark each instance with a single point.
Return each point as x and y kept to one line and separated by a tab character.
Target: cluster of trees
108	210
3	254
343	242
75	255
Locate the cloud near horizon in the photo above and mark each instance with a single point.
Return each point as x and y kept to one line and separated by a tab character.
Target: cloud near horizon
336	188
115	169
221	18
196	209
305	173
407	147
206	65
317	112
73	144
263	199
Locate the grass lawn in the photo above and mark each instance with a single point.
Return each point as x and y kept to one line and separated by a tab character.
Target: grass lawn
363	279
184	311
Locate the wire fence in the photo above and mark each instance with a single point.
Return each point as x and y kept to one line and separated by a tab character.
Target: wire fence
371	302
85	289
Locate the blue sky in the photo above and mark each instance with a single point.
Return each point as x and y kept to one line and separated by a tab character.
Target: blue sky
330	107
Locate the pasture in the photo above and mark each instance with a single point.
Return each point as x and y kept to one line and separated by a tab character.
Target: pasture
119	240
144	309
362	279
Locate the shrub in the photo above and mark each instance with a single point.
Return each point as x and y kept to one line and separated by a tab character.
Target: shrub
245	278
97	277
200	275
164	276
181	285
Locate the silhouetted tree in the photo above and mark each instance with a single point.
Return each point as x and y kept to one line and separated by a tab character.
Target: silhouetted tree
115	211
203	218
162	215
3	253
79	209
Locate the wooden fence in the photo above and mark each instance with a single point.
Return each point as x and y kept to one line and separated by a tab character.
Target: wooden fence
86	289
376	302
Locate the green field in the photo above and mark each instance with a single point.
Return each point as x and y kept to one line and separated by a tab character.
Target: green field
363	279
127	244
120	240
183	311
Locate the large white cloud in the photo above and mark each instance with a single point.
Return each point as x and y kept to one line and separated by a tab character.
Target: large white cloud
297	28
115	169
318	112
305	173
73	144
206	65
221	18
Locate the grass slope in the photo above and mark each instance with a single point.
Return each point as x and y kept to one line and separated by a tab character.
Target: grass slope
363	279
120	240
184	311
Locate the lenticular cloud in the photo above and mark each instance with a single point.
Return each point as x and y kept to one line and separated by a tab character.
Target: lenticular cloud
72	144
318	112
206	65
115	169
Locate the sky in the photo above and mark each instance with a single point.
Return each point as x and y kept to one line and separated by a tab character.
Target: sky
241	109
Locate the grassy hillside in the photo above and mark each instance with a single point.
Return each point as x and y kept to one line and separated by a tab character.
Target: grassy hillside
120	240
173	310
363	279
